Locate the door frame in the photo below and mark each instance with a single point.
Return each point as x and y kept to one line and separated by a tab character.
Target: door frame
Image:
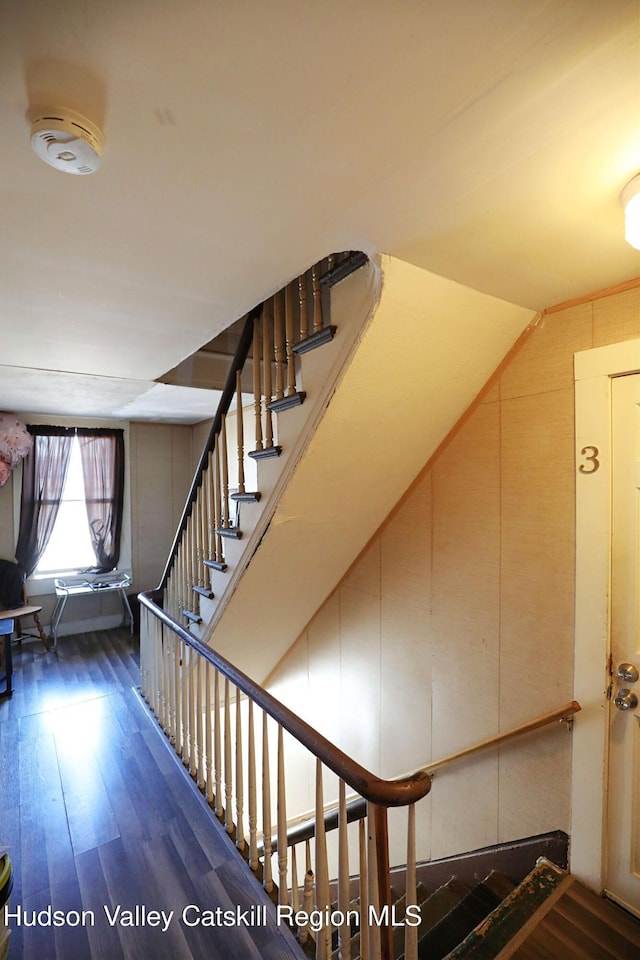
593	373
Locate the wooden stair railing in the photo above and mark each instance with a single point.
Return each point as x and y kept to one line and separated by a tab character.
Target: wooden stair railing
275	333
207	708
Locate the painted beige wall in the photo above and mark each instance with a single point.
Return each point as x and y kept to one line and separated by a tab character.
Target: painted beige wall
456	622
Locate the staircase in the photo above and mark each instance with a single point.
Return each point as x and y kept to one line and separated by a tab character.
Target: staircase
549	915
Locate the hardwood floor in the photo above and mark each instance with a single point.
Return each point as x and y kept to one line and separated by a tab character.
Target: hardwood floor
95	812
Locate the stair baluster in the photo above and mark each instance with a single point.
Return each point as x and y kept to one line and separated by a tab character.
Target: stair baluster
267	354
254	863
283	895
364	889
210	720
266	807
302	305
240	839
318	320
228	775
278	345
411	897
217	745
219	556
343	874
200	722
257	386
240	432
323	899
193	756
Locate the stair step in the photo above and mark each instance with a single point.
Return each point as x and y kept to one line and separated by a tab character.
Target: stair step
317	339
445	936
193	617
266	453
285	403
246	497
231	533
350	264
204	592
219	565
582	924
518	908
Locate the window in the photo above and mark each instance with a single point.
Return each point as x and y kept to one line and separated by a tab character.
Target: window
72	500
69	548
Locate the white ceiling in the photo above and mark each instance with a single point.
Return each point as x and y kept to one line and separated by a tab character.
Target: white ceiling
485	142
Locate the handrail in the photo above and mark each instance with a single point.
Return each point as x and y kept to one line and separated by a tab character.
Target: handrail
239	359
305	829
563	713
386	793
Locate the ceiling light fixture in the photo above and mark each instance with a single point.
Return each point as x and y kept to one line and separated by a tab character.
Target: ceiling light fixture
630	197
66	140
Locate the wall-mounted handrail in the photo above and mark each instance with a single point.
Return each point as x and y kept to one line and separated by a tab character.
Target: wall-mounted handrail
386	793
356	808
562	714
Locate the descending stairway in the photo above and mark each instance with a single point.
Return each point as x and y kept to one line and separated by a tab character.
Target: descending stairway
548	916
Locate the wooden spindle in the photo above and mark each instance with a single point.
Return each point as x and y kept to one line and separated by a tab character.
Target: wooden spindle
411	898
302	304
323	939
307	900
228	776
200	722
240	432
211	522
364	890
218	502
372	884
278	345
283	893
224	468
209	723
344	932
257	386
217	747
267	354
318	321
267	878
184	676
381	827
177	680
254	863
193	755
295	889
240	840
289	340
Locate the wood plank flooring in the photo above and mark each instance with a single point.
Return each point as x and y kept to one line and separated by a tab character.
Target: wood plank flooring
96	812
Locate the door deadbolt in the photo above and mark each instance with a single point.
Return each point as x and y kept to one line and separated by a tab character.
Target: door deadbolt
626	700
627	672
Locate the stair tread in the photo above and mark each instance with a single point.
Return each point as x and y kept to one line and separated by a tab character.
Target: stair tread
516	908
445	936
190	615
591	941
580	901
204	592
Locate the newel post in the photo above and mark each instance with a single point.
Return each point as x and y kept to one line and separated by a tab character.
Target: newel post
381	833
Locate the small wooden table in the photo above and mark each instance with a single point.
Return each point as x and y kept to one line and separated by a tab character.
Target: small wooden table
84	587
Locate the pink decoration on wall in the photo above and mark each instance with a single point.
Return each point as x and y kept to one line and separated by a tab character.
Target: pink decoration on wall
15	444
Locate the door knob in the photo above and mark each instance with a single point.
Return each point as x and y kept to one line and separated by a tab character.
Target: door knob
627	672
626	700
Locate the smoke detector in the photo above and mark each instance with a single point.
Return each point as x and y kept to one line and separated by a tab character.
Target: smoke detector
66	141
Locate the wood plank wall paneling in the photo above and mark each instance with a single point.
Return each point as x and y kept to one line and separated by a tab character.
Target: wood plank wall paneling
474	622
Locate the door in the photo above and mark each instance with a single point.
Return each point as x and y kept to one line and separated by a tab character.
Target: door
623	808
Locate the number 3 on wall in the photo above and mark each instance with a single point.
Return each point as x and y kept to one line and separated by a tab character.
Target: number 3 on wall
591	463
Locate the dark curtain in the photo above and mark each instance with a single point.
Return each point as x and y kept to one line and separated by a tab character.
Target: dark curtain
102	453
44	471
